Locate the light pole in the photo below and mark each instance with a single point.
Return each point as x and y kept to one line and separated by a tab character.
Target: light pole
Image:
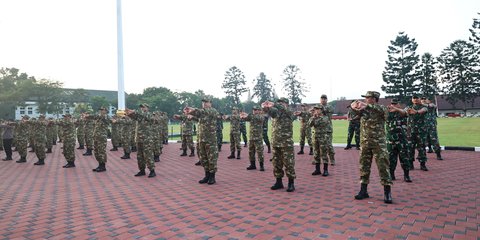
121	87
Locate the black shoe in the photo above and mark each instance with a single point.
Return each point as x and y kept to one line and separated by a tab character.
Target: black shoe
152	173
252	166
199	163
96	169
69	165
423	166
125	156
238	154
278	184
141	173
39	162
406	176
311	151
392	174
261	167
102	168
21	160
245	145
232	155
81	147
49	150
269	149
184	153
205	179
291	185
156	158
301	151
88	152
348	147
387	194
325	169
192	153
211	179
363	192
7	159
114	149
134	149
317	170
439	156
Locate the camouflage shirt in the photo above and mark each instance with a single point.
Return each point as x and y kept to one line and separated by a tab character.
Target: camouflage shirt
396	127
234	123
187	125
101	123
144	125
256	126
207	124
417	122
320	125
372	126
282	125
304	119
39	130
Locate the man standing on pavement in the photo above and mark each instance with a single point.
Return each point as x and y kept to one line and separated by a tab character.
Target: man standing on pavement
305	130
256	139
353	128
328	111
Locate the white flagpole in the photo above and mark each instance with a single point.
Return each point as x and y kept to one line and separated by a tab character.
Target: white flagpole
121	88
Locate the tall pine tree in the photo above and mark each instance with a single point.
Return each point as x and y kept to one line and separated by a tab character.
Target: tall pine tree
293	84
263	88
428	77
234	85
400	74
458	65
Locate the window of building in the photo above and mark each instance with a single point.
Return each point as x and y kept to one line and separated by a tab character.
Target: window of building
22	112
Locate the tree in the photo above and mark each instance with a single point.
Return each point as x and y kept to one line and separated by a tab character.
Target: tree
97	101
293	84
234	84
458	65
263	88
400	75
428	76
49	96
161	99
475	31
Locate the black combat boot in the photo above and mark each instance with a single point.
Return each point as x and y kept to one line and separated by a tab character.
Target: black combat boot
291	185
430	150
211	179
357	147
232	155
22	160
199	163
81	147
387	189
7	158
317	170
278	184
245	145
261	167
439	156
156	158
134	148
184	153
205	179
141	173
348	147
219	147
269	150
311	151
102	168
96	169
88	152
238	154
54	142
114	148
152	173
423	166
69	165
40	162
363	192
252	166
49	150
125	155
392	174
192	152
301	150
406	175
325	169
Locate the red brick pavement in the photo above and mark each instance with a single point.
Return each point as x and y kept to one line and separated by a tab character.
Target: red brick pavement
52	202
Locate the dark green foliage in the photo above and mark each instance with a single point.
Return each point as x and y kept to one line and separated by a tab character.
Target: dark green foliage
263	88
234	84
427	76
293	84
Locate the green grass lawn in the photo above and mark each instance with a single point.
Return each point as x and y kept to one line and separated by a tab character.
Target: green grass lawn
451	131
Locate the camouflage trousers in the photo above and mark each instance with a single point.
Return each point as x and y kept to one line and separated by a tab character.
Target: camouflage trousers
320	149
306	132
208	156
219	137
398	150
81	137
330	149
243	131
187	142
126	145
89	138
418	142
283	157
21	146
100	149
39	148
235	142
353	129
157	145
60	133
49	141
133	139
432	138
255	146
115	138
367	153
265	138
69	150
145	155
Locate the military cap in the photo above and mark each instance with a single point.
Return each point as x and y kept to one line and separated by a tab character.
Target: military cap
25	117
206	99
67	115
102	108
323	96
256	107
424	98
415	96
394	101
284	100
144	105
41	116
318	106
372	94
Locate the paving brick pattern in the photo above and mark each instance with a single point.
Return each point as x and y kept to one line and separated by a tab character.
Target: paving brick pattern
48	201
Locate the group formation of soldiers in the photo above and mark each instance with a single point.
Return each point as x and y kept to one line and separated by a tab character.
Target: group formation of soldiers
387	133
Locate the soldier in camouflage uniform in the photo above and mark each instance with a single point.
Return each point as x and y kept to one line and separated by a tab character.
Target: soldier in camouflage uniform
31	136
418	131
89	129
187	134
101	122
320	142
145	121
6	139
282	142
305	130
133	136
373	141
126	125
265	133
39	128
207	138
353	128
68	126
219	131
243	132
328	111
256	139
158	136
60	133
80	124
397	140
22	129
234	133
50	134
115	134
432	135
164	128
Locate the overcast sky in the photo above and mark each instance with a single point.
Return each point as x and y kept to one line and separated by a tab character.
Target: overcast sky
186	45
